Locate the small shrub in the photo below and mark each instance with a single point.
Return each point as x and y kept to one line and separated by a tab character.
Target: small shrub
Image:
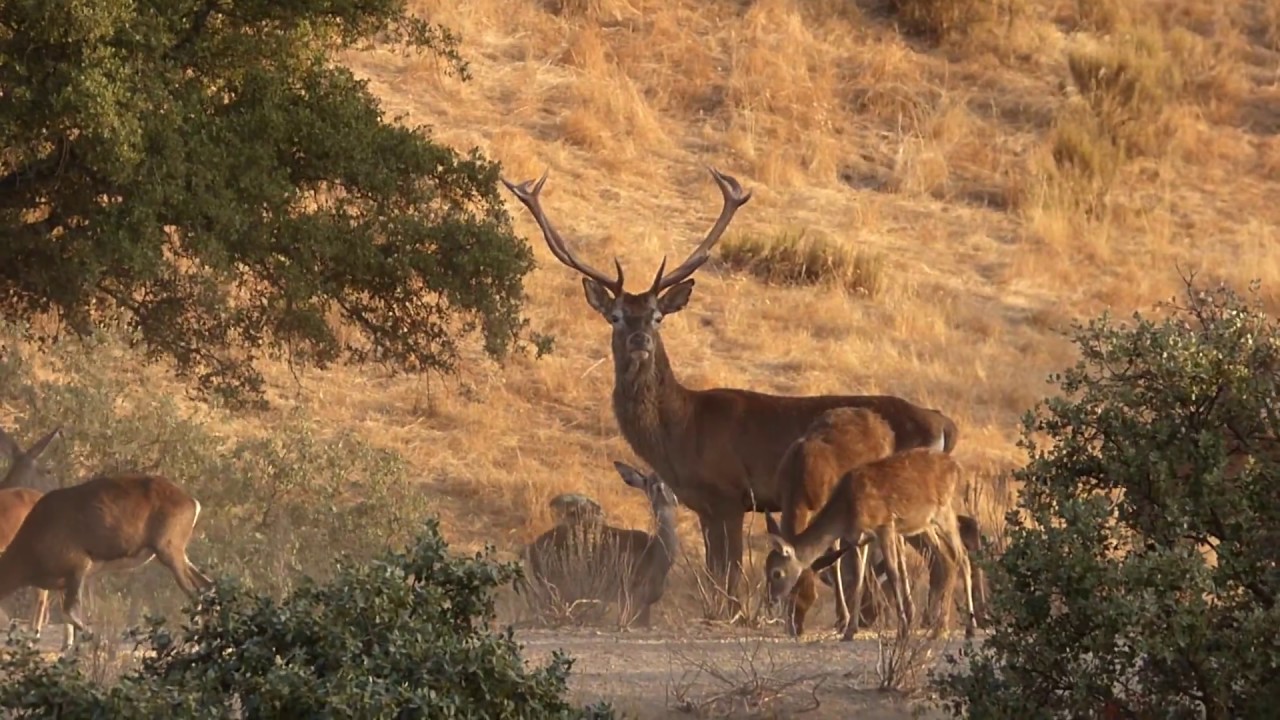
1140	574
805	258
404	636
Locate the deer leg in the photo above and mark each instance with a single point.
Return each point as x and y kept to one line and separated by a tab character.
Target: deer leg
908	600
722	536
837	584
40	613
71	598
951	535
886	538
941	577
800	601
860	554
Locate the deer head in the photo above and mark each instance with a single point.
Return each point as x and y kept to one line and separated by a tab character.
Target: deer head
24	468
635	317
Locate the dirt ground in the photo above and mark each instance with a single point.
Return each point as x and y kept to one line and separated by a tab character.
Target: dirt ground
711	672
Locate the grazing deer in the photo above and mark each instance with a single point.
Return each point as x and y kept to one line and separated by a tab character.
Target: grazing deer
17	496
905	494
839	440
718	448
111	521
594	561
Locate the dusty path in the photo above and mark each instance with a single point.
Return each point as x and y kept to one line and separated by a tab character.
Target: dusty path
720	673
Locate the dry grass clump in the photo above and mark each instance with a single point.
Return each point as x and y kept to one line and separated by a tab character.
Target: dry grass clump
805	257
950	20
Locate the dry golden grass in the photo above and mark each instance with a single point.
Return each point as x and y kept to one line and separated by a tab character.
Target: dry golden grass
936	160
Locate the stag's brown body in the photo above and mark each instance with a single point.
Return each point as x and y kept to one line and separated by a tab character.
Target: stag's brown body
719	448
117	520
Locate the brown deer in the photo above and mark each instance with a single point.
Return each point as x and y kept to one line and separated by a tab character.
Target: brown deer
905	494
839	440
718	448
590	560
114	520
18	495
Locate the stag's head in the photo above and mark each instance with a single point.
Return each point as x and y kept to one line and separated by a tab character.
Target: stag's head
635	317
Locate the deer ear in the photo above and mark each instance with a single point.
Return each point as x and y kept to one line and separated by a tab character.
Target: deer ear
771	525
598	296
782	547
630	475
829	558
675	298
42	443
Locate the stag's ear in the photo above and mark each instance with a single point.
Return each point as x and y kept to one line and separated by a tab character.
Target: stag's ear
630	475
676	297
598	297
829	558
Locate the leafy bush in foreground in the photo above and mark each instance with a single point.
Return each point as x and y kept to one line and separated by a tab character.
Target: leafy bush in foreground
404	636
1141	577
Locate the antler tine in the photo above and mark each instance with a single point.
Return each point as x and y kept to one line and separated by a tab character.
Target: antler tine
734	198
527	192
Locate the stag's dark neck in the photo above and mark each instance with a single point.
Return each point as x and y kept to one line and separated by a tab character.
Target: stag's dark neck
652	408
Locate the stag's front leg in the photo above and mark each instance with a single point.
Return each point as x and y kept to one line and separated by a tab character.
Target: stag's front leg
722	537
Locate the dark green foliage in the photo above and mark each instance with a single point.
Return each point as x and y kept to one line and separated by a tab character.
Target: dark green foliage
405	636
207	172
1166	439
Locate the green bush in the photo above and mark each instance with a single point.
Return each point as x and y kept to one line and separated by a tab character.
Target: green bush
274	506
404	636
1107	602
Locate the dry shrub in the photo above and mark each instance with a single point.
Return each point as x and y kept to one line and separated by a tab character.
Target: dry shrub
805	257
951	20
1127	84
1102	16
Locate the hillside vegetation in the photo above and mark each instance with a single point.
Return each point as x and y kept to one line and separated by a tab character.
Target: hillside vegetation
972	175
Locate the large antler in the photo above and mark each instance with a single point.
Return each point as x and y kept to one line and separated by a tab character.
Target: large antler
527	192
734	198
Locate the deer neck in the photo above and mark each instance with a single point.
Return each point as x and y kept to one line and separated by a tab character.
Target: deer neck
833	522
651	407
667	541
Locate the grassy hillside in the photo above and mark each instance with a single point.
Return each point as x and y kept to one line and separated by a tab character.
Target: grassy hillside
990	181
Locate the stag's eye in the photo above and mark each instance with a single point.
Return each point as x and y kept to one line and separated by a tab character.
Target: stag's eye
657	318
776	574
616	318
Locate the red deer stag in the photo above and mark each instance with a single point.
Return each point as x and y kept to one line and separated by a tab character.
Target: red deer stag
905	494
115	520
717	448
